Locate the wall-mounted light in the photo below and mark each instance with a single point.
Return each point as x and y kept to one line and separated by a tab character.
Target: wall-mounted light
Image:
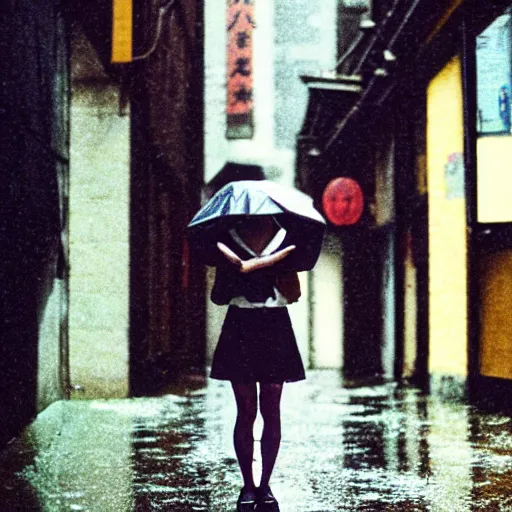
389	56
382	72
314	151
367	25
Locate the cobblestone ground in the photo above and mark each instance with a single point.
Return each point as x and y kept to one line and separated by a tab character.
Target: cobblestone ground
377	448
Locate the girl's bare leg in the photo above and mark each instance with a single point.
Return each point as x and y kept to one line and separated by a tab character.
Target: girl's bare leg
270	400
246	397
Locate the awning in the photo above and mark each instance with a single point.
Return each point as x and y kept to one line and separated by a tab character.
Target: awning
330	100
344	107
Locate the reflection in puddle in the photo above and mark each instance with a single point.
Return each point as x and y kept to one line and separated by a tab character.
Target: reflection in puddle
369	448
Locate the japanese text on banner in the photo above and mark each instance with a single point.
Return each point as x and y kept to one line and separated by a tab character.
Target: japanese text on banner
240	24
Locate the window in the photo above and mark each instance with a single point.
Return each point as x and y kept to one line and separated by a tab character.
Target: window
494	142
493	58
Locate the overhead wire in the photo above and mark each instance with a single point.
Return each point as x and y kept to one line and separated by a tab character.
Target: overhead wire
341	125
162	11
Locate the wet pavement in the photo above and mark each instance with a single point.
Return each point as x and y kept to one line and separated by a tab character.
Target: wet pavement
377	448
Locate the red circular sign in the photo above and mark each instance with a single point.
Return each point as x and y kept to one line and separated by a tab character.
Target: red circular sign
343	201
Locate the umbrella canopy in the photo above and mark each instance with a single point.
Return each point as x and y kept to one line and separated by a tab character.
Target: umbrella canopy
292	209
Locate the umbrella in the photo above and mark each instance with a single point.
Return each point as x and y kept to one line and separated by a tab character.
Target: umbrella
292	209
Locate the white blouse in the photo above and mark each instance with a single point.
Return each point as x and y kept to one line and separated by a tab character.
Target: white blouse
279	301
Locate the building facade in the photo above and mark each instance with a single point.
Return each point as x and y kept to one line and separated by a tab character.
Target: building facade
422	123
34	110
100	295
136	311
102	167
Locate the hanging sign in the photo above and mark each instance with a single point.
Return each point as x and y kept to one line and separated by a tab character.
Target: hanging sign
122	28
343	201
239	107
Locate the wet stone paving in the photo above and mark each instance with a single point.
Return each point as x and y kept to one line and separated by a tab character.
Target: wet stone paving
377	448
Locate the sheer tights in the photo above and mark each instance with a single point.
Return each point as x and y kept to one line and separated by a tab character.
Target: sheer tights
246	396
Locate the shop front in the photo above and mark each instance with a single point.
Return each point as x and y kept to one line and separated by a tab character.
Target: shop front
427	135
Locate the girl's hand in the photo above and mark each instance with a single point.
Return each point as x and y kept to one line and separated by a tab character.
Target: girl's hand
256	263
230	255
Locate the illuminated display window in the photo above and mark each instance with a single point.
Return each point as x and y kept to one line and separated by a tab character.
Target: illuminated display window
493	59
494	143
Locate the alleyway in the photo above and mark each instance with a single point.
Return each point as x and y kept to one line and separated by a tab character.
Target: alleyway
372	448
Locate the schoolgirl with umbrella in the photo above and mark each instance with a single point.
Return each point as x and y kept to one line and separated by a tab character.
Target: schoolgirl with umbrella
251	232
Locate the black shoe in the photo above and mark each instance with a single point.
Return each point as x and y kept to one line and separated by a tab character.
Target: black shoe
266	501
246	501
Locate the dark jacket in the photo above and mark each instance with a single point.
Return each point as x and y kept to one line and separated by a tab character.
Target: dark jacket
255	286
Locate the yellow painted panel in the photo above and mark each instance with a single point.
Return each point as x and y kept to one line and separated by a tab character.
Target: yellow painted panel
496	317
122	31
447	226
494	155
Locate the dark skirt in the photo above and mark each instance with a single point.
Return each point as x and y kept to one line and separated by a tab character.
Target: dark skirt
257	345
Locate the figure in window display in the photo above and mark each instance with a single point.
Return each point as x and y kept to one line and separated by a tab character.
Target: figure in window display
504	106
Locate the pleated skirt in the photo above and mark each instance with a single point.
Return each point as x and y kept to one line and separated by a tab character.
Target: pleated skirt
257	345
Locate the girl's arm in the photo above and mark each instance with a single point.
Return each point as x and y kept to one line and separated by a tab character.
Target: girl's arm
257	263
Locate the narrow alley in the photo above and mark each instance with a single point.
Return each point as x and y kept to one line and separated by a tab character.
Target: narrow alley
376	448
123	120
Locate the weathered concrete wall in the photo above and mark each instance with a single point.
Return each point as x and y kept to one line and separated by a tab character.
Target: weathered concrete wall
326	303
99	230
385	217
33	170
51	364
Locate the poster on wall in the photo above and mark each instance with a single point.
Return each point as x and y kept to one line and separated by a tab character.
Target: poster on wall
493	62
239	101
454	176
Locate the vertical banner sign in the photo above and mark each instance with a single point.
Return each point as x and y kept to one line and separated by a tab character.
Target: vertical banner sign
240	103
122	28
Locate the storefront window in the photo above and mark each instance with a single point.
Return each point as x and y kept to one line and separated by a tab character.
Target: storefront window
493	58
494	143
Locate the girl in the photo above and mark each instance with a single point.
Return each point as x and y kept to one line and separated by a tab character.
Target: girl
257	349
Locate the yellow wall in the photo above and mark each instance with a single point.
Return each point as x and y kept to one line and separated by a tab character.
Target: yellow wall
447	227
494	205
496	319
494	179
